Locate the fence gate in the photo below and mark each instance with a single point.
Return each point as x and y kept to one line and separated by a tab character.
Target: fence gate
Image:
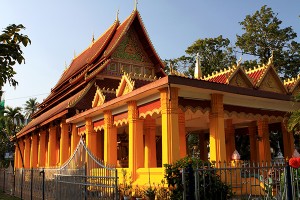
84	176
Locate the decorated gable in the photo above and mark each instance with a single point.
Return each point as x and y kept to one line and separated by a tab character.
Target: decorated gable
293	85
271	82
99	98
240	79
126	85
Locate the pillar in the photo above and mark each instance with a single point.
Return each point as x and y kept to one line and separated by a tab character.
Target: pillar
42	149
253	141
263	140
17	157
34	151
150	142
52	147
135	127
110	139
182	138
64	142
27	152
74	139
170	126
216	129
288	141
91	138
229	138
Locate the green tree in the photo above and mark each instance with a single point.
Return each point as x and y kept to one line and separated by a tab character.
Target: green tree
31	107
11	41
264	35
14	120
294	119
215	53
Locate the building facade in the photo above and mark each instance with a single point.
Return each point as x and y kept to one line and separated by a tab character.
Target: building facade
116	96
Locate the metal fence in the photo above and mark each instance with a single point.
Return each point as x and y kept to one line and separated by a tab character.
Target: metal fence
83	176
242	180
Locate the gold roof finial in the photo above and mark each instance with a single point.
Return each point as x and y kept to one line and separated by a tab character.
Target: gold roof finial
66	66
270	61
198	71
239	62
74	54
117	15
93	38
135	4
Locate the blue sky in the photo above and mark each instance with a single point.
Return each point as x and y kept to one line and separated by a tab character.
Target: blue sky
58	28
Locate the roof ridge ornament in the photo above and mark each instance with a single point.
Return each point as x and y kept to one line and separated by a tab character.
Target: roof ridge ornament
117	15
239	62
271	59
198	71
93	37
135	4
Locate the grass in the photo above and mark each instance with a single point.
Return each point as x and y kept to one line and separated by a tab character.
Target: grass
4	196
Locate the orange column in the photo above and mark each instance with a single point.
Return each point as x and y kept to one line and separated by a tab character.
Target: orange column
64	142
288	141
27	152
91	138
110	139
34	151
150	142
182	138
170	126
263	140
17	157
74	138
253	141
230	138
52	147
216	129
135	127
42	149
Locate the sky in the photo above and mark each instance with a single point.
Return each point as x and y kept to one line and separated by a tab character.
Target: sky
59	29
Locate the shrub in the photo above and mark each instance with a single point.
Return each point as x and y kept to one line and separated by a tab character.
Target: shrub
210	184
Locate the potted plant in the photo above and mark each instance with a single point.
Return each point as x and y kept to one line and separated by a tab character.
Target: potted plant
150	192
126	186
138	193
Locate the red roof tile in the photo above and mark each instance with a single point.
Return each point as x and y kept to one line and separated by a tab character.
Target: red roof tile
256	75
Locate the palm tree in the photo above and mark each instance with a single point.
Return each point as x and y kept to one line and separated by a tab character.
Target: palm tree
31	107
13	119
294	119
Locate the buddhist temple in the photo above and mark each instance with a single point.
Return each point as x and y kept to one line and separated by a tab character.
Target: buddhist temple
116	96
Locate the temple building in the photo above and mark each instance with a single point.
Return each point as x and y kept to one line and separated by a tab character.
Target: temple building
116	96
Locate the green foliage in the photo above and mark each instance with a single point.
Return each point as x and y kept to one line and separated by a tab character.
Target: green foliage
208	179
215	54
30	107
263	34
11	41
294	118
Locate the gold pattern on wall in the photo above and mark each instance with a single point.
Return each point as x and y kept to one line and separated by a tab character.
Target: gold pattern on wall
270	84
131	48
238	80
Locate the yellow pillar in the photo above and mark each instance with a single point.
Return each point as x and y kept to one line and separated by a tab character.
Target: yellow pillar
182	138
150	142
170	126
42	149
135	127
52	147
230	138
91	138
27	152
263	140
110	139
74	138
34	151
288	141
64	142
253	141
216	129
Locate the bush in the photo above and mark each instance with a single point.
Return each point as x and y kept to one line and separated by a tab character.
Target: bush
210	184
